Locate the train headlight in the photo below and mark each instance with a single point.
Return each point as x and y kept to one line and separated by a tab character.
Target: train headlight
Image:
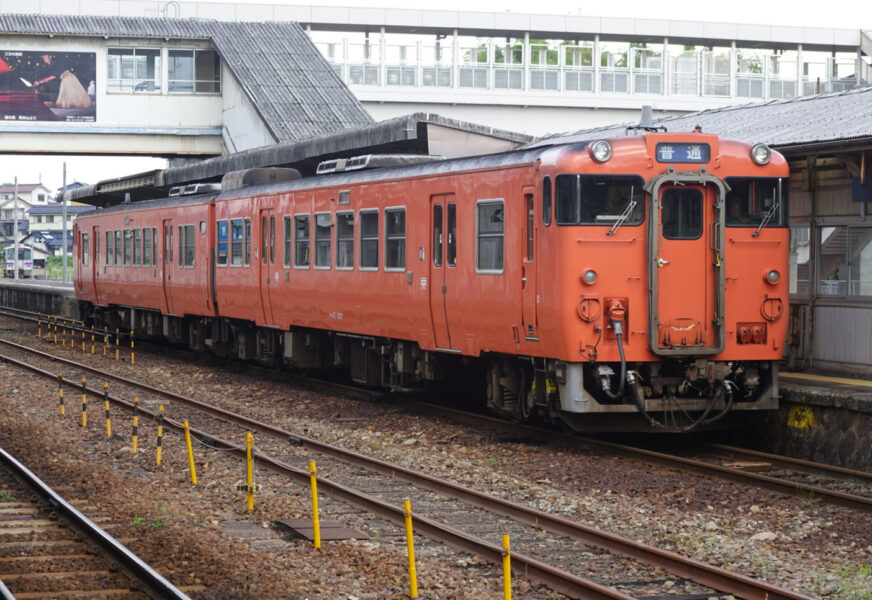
773	276
760	154
601	151
589	277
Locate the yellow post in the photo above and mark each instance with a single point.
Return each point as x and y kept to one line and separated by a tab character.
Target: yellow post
316	524
39	325
507	568
83	337
117	347
160	417
55	332
132	358
61	394
135	422
84	404
105	340
106	407
249	440
93	348
64	336
410	543
190	454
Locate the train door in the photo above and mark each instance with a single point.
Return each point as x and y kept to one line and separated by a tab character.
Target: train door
443	251
687	273
529	281
269	276
167	266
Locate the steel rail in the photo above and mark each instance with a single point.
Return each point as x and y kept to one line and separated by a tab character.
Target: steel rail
156	586
788	462
709	575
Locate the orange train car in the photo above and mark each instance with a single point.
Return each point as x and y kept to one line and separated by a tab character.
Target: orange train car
636	283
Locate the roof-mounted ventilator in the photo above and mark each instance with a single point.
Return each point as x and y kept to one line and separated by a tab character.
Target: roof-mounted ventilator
257	176
647	122
374	161
195	188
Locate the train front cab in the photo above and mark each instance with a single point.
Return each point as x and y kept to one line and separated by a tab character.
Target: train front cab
686	332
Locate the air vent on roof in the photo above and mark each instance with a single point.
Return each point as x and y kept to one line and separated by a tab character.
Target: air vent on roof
257	176
374	161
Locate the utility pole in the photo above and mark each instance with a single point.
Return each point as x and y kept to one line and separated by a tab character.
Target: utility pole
64	221
15	231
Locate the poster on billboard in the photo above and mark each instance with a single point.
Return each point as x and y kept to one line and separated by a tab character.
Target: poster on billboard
47	86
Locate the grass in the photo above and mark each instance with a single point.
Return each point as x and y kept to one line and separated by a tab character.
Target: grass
6	496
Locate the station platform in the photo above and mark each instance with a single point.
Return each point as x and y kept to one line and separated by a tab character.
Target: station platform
39	295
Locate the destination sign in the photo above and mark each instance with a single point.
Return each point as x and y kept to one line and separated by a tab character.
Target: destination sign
683	153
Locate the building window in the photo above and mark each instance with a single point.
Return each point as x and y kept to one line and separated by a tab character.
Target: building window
843	260
800	264
345	240
490	231
322	240
301	241
236	240
194	72
133	70
49	218
395	239
369	239
222	243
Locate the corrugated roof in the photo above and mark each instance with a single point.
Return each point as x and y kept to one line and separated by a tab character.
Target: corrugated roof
800	122
289	82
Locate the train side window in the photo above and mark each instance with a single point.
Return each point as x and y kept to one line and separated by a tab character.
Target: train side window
137	247
301	241
531	227
264	238
490	234
272	240
84	249
369	240
236	240
118	248
323	234
189	245
222	235
146	247
181	245
437	235
110	250
247	254
287	239
168	244
395	239
452	234
546	200
128	247
345	240
154	246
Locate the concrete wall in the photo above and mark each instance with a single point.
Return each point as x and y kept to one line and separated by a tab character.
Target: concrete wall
242	127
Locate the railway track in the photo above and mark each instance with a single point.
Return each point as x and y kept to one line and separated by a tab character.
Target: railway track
43	555
547	548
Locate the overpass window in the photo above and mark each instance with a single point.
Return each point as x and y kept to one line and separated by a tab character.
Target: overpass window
301	241
345	240
133	70
194	72
395	239
323	233
222	243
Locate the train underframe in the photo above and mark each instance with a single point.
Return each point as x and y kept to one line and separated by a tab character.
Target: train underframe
673	395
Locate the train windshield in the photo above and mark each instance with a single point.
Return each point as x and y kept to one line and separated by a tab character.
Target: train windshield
599	200
23	253
756	202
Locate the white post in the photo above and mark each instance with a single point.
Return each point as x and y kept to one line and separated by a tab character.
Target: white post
667	72
799	71
15	231
596	64
64	222
734	66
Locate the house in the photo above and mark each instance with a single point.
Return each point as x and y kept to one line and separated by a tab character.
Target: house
32	193
47	226
7	219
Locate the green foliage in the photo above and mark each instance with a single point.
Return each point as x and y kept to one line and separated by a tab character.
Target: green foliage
54	266
158	524
137	520
6	496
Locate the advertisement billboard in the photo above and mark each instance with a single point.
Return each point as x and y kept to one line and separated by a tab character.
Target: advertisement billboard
47	86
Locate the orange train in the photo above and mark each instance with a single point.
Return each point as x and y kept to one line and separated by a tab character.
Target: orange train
635	283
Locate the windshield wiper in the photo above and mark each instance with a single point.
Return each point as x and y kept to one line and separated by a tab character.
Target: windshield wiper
630	206
776	205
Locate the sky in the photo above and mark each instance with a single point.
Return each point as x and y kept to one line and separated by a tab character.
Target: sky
834	13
